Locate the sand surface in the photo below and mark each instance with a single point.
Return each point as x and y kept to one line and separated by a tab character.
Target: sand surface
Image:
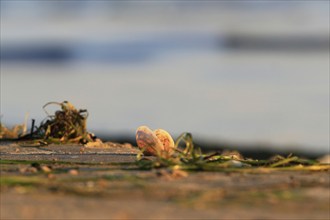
75	182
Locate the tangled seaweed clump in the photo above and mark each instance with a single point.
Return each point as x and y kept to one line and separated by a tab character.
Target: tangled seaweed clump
67	125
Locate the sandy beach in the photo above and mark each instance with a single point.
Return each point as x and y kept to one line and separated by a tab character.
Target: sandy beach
75	182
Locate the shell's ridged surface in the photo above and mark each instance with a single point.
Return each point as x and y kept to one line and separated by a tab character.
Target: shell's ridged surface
155	141
147	140
166	139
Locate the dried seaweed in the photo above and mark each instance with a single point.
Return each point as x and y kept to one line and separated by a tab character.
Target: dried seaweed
67	125
14	132
191	157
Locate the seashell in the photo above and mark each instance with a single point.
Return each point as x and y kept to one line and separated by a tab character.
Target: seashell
166	139
157	142
148	141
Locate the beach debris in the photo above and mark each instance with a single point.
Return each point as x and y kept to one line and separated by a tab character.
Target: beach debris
15	132
186	156
28	169
65	126
232	154
35	167
166	139
46	169
157	142
96	143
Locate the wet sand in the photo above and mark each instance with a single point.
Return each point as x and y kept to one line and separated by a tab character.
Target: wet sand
74	182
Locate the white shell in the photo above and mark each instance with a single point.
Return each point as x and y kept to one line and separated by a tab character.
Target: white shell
157	142
148	141
166	139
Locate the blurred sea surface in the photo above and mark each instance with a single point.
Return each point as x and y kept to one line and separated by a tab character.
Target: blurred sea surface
246	72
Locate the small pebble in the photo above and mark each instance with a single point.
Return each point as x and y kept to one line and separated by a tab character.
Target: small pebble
28	170
169	174
73	172
46	169
51	176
